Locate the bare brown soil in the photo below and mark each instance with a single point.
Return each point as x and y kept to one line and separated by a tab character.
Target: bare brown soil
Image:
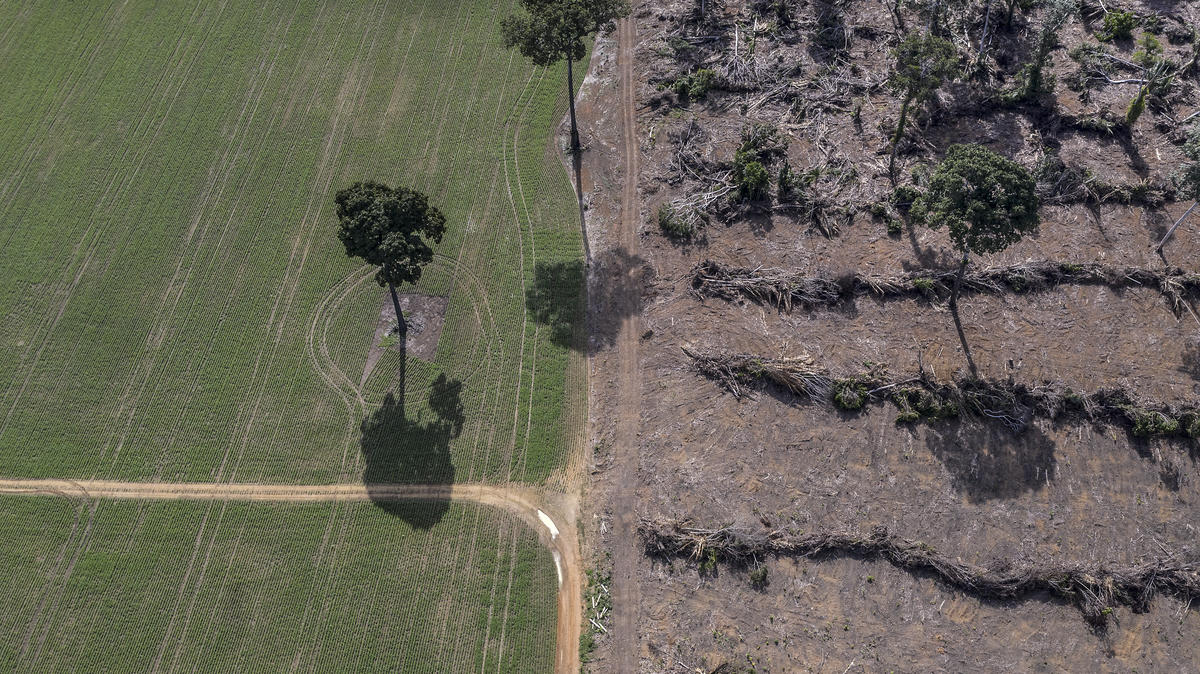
530	504
1060	491
425	315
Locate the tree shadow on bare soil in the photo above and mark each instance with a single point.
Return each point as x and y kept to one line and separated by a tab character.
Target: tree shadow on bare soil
556	298
990	463
400	450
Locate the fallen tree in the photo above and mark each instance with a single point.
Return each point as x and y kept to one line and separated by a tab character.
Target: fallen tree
784	290
921	398
1096	589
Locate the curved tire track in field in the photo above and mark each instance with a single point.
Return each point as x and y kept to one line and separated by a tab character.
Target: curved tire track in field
552	515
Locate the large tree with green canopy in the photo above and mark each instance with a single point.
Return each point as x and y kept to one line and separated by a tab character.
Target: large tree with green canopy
389	228
553	30
987	203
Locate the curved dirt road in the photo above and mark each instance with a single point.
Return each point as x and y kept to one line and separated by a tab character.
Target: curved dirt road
551	514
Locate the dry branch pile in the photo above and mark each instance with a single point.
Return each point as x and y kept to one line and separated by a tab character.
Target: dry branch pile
783	290
1096	589
921	398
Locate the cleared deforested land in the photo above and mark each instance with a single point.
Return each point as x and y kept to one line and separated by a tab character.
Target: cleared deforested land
185	586
176	307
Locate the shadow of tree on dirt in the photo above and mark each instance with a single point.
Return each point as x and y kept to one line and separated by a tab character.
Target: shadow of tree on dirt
399	450
556	298
990	463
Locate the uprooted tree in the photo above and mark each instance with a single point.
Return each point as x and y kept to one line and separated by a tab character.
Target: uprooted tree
390	228
923	63
553	30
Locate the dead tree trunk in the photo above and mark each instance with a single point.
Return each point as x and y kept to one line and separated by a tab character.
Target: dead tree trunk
575	147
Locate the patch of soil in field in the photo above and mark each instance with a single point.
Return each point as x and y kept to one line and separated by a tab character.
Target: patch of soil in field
425	315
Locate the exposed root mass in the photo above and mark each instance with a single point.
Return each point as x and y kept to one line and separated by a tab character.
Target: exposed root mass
1096	589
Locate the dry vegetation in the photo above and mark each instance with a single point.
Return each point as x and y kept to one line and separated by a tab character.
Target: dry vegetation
791	269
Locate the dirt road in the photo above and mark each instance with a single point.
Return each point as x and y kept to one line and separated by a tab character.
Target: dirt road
626	454
552	514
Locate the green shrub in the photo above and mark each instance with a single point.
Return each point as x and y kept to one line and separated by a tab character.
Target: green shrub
894	227
751	178
925	285
673	224
917	403
849	394
1190	422
904	196
1148	423
758	577
1118	26
786	183
695	85
1149	51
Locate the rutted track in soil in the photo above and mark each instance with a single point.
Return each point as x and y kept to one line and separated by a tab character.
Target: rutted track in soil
534	508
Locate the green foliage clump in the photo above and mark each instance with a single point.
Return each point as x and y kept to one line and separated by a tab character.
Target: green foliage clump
673	224
1190	423
904	196
987	202
923	63
849	394
1149	51
1149	423
751	177
1118	26
1033	81
917	403
786	183
925	285
758	577
763	142
1187	180
389	228
696	85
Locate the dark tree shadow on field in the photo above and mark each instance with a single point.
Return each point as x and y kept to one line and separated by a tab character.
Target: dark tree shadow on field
556	298
399	450
988	463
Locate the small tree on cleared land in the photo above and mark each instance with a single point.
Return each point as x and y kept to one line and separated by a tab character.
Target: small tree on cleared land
389	228
923	63
1187	181
553	30
986	201
1034	81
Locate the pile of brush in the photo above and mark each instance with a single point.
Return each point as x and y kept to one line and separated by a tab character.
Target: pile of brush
1096	589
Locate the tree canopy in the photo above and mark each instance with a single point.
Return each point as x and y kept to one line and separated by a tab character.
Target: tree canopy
389	227
988	202
552	30
923	63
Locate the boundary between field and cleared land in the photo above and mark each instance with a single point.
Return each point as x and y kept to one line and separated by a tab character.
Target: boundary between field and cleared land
532	507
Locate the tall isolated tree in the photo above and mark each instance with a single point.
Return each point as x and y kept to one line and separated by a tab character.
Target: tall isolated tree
390	228
986	201
923	63
553	30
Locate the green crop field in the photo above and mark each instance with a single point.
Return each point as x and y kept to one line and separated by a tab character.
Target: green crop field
176	307
172	586
175	303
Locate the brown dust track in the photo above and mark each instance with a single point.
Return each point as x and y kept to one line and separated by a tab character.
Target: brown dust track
527	503
626	452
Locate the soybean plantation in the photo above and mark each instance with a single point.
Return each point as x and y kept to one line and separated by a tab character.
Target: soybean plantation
175	304
174	586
